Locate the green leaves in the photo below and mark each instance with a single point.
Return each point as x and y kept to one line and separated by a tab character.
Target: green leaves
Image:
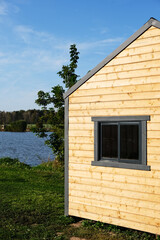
43	98
56	142
54	114
68	72
57	97
17	126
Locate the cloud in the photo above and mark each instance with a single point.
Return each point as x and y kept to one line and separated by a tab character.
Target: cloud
98	44
3	8
7	7
49	52
104	30
37	51
32	51
86	46
30	60
101	30
29	35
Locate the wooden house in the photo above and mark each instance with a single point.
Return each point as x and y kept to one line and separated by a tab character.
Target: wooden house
112	136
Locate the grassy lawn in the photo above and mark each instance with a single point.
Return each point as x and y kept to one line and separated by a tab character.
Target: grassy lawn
32	207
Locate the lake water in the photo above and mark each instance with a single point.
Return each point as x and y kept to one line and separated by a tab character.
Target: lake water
27	147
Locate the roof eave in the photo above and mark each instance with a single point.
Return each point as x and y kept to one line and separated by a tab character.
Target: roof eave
138	33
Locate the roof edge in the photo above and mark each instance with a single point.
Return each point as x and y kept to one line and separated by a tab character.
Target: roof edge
151	22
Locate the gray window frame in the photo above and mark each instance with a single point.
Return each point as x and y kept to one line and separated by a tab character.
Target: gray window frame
142	122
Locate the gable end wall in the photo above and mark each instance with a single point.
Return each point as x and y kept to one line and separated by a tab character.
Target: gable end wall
128	85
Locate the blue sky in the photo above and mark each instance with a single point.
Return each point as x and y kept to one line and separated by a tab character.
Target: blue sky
35	36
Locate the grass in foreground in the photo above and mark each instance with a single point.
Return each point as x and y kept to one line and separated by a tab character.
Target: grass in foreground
32	207
31	201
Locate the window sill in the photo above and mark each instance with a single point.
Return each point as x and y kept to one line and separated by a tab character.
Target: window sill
120	165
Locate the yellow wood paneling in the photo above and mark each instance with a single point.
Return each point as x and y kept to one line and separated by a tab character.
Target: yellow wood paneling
115	205
90	147
114	112
116	221
141	66
152	31
153	160
121	220
97	99
81	146
153	142
116	104
128	85
82	153
87	120
116	199
140	50
103	83
116	214
152	71
145	41
116	185
152	87
115	191
135	58
100	174
81	139
82	126
90	126
88	133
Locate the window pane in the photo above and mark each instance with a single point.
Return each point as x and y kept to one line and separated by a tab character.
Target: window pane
110	141
129	142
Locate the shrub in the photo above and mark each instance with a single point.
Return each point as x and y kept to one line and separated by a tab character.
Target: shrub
17	126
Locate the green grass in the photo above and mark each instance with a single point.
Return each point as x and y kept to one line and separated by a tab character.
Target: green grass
32	207
47	126
31	201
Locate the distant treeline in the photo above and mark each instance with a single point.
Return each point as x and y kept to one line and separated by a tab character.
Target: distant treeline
29	116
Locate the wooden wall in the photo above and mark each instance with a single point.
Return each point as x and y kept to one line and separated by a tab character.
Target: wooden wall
127	85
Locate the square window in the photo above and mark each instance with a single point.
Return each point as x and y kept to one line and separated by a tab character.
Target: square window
121	142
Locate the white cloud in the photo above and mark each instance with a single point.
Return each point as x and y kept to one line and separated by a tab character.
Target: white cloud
85	46
7	7
40	51
47	61
104	30
23	29
30	60
97	44
101	30
29	35
3	8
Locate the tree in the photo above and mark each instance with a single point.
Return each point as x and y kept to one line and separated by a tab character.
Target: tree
17	126
55	115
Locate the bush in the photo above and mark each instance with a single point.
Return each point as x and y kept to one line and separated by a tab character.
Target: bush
17	126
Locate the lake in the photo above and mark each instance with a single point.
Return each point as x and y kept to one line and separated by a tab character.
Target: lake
27	147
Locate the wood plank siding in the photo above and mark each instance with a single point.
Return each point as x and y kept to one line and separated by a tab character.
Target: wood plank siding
128	85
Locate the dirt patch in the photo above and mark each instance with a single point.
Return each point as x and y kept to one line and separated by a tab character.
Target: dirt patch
77	238
76	225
